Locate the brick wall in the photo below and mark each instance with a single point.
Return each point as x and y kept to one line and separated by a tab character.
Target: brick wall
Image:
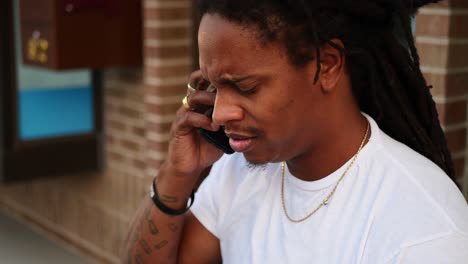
442	40
168	62
89	213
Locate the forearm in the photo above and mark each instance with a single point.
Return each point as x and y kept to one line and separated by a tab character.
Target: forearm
154	236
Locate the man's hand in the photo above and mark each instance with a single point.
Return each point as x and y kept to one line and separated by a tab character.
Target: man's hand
189	153
154	236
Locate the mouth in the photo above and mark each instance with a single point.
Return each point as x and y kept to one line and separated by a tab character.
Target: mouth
240	143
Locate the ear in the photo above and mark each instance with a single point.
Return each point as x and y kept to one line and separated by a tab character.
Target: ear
332	63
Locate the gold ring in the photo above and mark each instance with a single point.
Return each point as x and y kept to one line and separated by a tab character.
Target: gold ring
185	102
190	88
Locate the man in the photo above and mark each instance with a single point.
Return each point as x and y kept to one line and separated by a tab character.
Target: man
340	155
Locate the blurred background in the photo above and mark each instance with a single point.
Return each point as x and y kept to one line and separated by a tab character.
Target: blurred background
88	90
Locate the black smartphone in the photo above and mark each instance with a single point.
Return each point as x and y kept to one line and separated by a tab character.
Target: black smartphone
218	138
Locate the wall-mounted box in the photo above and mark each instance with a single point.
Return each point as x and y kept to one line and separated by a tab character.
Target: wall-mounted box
71	34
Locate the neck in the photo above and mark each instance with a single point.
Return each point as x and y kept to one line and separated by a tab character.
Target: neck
338	143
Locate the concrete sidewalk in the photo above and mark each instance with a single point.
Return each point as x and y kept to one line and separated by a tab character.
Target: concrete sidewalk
20	245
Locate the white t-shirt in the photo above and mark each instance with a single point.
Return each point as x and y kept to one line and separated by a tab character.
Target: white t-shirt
393	206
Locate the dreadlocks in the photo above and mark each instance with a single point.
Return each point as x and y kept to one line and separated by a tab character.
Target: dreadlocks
379	49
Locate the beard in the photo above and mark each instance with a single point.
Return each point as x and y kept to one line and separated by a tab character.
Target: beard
255	166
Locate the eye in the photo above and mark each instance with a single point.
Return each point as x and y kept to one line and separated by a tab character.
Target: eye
247	90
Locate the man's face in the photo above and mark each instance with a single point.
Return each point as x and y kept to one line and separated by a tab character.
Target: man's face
269	108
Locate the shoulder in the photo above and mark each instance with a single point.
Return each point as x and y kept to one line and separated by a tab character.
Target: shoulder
417	201
413	200
451	248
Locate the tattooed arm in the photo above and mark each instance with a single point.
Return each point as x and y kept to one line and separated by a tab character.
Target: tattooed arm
155	237
158	238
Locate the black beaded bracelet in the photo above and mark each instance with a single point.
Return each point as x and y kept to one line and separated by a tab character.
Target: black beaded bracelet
163	207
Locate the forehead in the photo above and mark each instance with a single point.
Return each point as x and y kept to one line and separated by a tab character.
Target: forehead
228	48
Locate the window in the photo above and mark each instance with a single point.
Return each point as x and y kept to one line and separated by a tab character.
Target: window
50	122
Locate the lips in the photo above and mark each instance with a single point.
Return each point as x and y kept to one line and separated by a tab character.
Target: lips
240	143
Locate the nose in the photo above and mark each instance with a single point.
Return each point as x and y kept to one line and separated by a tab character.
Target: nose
226	109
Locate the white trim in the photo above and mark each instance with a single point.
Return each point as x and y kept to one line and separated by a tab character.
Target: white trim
157	155
444	11
439	70
448	100
160	119
441	41
154	23
167	4
155	81
158	137
163	100
157	62
458	154
156	43
449	128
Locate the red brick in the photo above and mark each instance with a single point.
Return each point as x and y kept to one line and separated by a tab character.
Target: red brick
167	13
117	125
433	55
449	3
158	146
130	145
443	56
129	112
168	52
452	113
167	90
458	55
167	33
168	71
448	85
432	25
158	128
442	25
456	139
154	163
138	131
459	166
114	156
163	109
458	26
139	164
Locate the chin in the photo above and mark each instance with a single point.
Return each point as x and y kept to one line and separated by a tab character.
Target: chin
255	160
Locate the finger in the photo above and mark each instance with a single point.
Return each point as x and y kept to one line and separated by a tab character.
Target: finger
196	80
201	98
187	121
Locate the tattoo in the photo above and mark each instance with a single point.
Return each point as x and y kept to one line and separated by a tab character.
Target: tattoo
173	227
138	259
169	199
154	230
145	247
161	244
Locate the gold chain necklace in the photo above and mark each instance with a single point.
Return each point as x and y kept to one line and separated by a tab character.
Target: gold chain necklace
325	201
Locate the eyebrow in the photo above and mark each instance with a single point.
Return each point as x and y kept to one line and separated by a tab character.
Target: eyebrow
234	80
